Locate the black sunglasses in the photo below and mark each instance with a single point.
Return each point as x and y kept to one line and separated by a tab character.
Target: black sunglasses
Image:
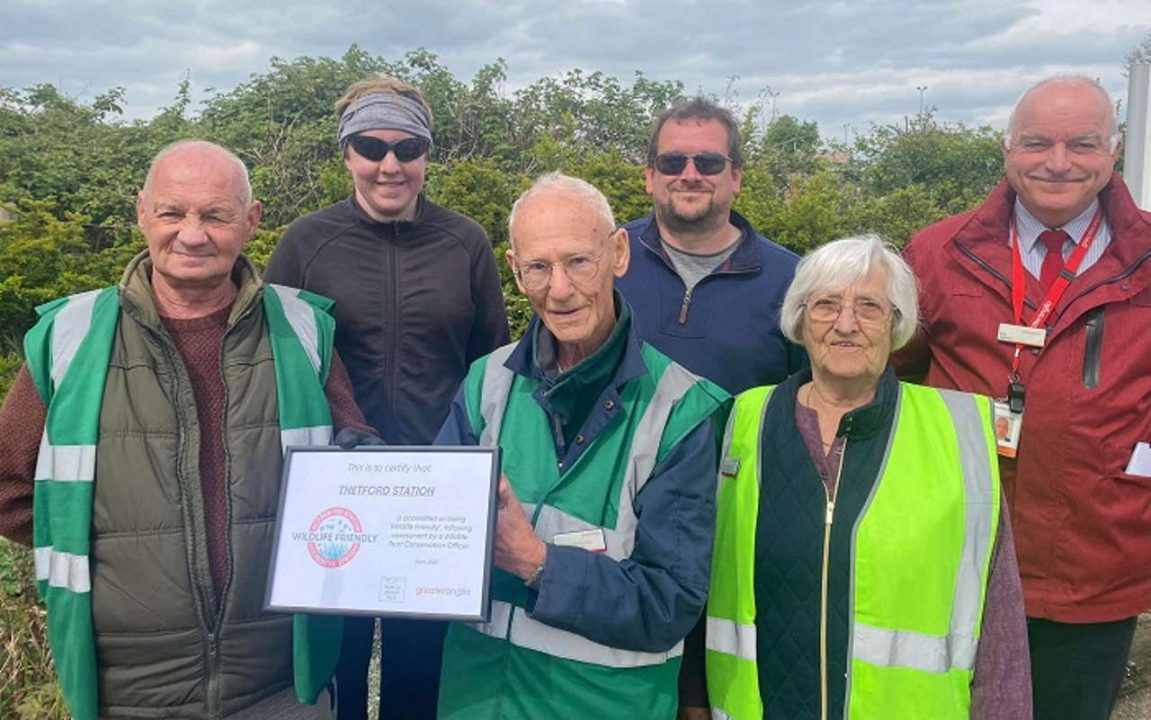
706	163
375	149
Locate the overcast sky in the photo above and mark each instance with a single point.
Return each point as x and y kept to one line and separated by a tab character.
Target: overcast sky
843	64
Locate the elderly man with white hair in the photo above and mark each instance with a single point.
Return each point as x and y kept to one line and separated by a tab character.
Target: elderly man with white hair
603	538
863	566
1041	298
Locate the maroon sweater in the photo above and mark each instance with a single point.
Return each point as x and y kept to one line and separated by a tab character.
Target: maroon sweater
198	340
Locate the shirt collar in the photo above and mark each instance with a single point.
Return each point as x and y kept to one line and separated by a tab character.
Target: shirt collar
1029	228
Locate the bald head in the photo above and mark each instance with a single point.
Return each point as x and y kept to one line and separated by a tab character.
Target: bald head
1060	149
566	254
1062	85
196	213
205	154
556	187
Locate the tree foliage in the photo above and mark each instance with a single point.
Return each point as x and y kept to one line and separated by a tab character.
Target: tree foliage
70	169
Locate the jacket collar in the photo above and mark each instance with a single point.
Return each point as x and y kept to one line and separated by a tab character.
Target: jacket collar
137	299
863	422
522	360
362	217
988	225
746	257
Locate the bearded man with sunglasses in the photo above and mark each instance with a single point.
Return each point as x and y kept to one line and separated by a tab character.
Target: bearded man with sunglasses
705	286
607	507
418	298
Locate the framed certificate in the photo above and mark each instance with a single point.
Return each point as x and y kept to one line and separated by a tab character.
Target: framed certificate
403	531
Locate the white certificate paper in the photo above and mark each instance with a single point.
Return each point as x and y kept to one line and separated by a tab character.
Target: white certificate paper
386	531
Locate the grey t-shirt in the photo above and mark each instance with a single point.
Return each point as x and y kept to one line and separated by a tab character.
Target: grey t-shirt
691	267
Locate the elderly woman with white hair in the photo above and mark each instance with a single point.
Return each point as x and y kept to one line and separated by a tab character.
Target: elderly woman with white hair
863	567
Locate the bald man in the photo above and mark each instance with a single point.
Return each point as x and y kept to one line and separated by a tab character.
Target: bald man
1041	298
140	456
603	537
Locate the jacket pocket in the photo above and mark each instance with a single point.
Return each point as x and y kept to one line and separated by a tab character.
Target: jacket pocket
1093	349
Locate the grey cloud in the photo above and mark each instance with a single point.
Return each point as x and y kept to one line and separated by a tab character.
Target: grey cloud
834	62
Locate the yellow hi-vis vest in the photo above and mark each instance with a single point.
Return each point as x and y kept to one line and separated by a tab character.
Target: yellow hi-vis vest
921	552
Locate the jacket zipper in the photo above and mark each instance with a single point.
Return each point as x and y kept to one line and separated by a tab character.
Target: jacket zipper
393	319
823	585
201	586
684	306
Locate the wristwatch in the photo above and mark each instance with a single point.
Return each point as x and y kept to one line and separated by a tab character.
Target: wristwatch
536	577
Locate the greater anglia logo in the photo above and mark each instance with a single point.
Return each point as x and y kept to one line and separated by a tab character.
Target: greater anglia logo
334	537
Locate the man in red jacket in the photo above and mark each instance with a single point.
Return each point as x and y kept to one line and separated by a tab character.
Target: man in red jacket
1062	338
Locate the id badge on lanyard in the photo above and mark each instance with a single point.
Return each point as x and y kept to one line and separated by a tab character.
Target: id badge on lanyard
1009	409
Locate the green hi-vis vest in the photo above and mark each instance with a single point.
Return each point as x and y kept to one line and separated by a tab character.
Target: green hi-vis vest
67	354
515	666
914	624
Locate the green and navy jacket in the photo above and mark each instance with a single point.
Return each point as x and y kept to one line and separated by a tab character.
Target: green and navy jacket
602	636
901	558
134	620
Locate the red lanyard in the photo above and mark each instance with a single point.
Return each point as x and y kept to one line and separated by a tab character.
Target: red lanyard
1019	282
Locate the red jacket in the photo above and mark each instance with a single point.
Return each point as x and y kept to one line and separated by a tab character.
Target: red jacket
1082	525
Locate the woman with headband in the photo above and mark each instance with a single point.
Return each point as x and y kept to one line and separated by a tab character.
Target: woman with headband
418	298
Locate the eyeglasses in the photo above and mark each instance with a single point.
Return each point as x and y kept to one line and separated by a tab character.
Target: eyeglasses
866	311
375	149
536	274
706	163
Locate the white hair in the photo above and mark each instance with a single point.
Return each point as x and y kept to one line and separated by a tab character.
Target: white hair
244	184
1082	80
558	182
840	263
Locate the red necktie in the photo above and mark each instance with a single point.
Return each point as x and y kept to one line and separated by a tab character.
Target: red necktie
1053	261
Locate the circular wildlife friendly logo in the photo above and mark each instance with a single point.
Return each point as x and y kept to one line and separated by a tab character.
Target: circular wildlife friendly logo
334	537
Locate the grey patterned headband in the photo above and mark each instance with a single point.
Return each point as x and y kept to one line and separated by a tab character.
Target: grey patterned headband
385	111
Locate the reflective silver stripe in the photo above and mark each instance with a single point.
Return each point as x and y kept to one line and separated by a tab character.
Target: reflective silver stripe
513	624
65	462
69	327
930	653
302	317
725	454
535	635
728	433
618	542
63	570
315	435
897	417
497	626
901	648
975	456
731	638
497	384
673	383
717	714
